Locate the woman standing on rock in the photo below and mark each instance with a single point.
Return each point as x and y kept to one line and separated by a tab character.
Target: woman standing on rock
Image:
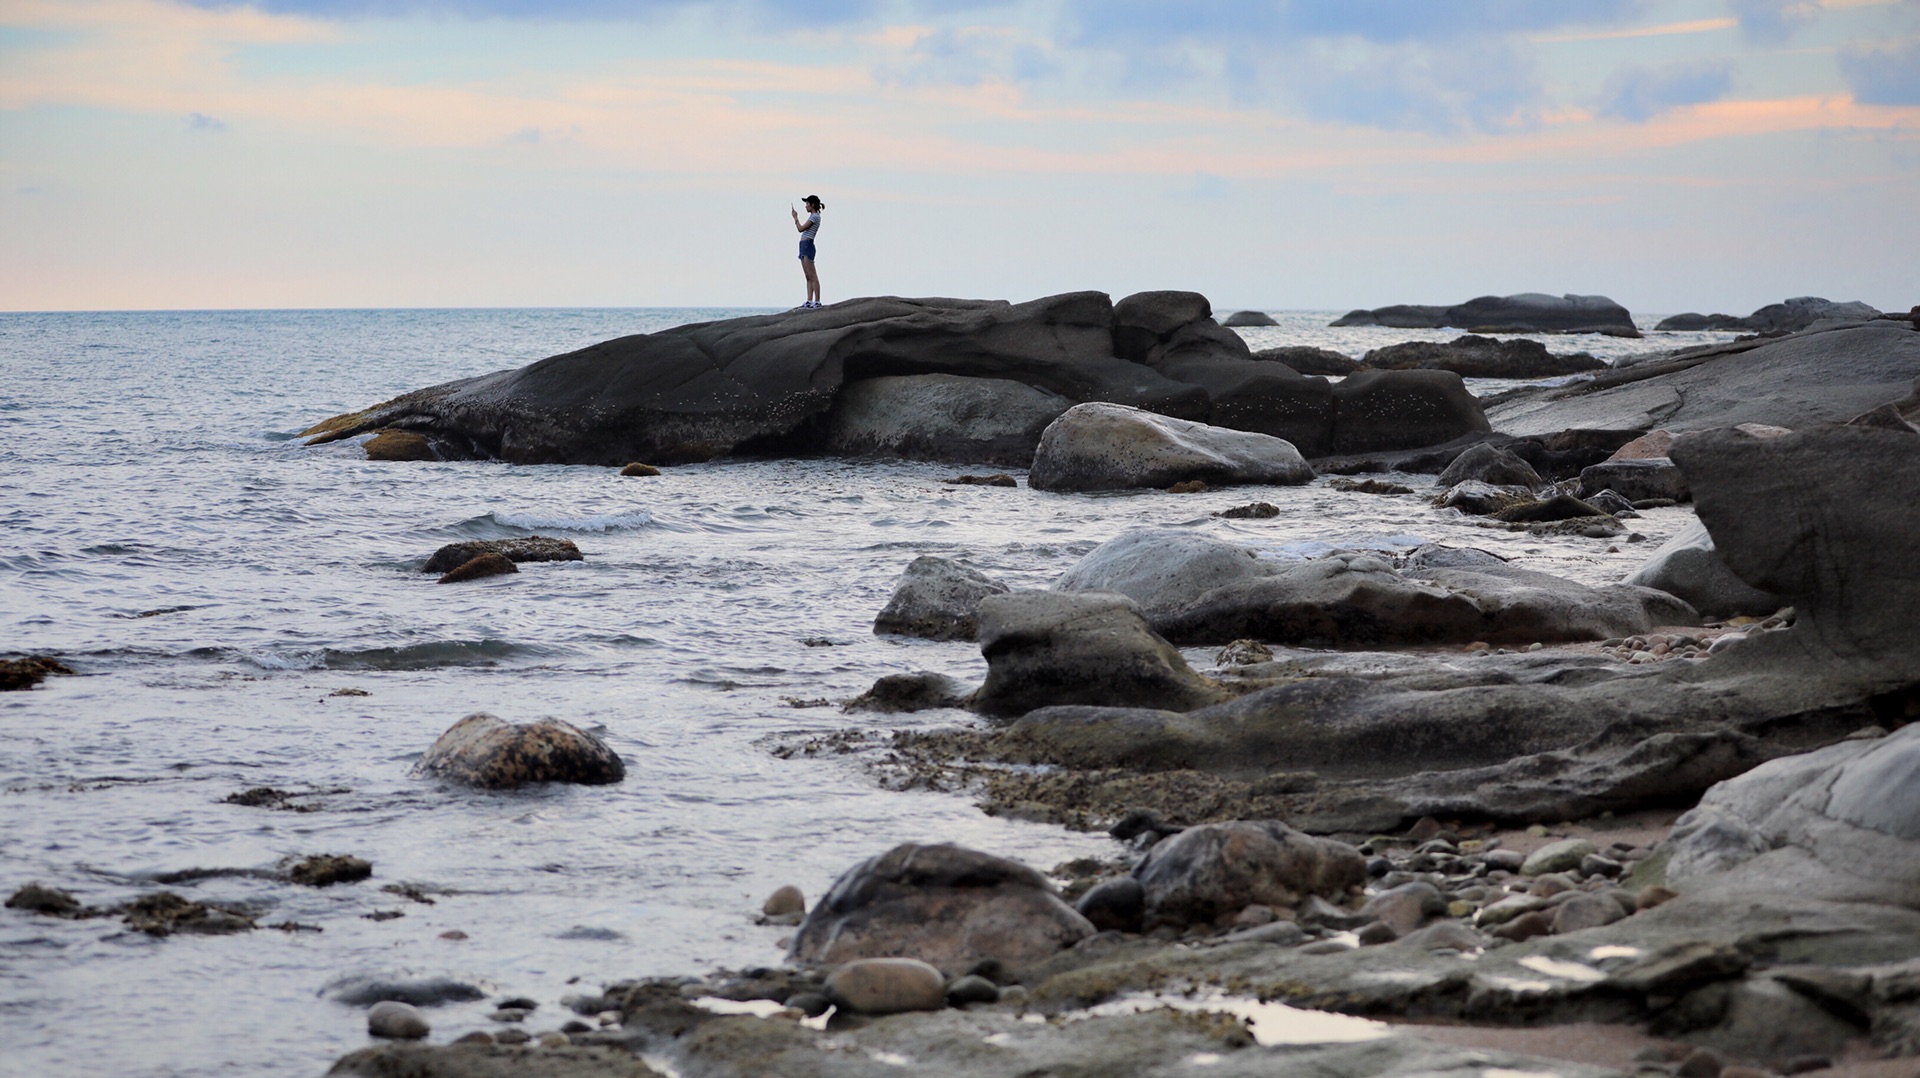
808	229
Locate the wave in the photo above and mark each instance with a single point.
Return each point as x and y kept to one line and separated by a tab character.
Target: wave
563	522
429	655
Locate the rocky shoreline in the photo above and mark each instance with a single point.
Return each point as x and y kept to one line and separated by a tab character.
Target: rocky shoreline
1430	813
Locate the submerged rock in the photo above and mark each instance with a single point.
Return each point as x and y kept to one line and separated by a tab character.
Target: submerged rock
945	905
165	913
1249	318
938	599
20	674
479	567
325	870
525	549
366	989
1527	312
1114	447
400	445
490	753
52	901
396	1020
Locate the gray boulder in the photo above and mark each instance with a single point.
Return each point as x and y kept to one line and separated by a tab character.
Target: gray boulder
1688	567
936	598
941	417
1482	357
1160	568
1819	376
1208	874
1240	319
490	753
1790	316
1483	499
1841	822
1489	464
1527	312
1306	359
1095	648
945	905
1115	447
1636	480
1382	410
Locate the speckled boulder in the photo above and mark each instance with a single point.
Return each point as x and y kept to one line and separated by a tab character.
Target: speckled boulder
488	752
943	904
938	599
1100	446
1216	870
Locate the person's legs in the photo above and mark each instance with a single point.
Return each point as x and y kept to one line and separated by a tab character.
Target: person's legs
813	280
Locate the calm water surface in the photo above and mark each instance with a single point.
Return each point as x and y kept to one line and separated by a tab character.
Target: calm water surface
213	582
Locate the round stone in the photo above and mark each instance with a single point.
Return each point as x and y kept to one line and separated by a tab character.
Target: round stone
400	1021
887	986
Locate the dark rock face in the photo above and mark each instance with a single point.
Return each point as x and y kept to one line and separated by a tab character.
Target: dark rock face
1482	357
325	870
912	692
938	599
1819	376
769	384
1378	410
1636	480
20	674
1049	647
484	751
945	905
1240	319
941	417
1208	873
1790	316
530	548
1489	464
1305	359
1113	447
1527	312
1687	566
479	567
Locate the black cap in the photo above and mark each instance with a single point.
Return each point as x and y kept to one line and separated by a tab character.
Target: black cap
812	198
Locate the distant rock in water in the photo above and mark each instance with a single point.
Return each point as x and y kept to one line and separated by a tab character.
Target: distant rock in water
20	674
1239	319
1790	316
530	548
1527	312
1473	356
1306	359
490	753
945	379
477	567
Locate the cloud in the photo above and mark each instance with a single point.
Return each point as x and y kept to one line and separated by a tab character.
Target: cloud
1883	75
828	12
1640	93
1772	21
200	121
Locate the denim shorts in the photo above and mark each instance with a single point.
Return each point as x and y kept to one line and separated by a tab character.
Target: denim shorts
806	250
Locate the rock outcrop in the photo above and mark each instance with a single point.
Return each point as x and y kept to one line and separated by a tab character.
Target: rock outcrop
533	548
1527	312
795	383
938	599
1306	359
1688	567
1482	357
1115	447
490	753
945	905
1820	376
1049	647
1790	316
1243	319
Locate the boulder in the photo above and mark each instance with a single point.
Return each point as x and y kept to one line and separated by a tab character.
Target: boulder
1841	822
1407	907
1483	499
401	1021
919	691
1214	871
525	549
479	567
1482	357
945	905
1240	319
886	986
1789	316
1489	464
1161	568
936	598
941	417
1636	480
1114	905
490	753
1688	567
1527	312
1652	445
1306	359
18	675
1116	447
1380	410
1818	376
1094	648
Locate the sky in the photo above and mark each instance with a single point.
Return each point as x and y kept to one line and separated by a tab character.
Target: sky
1710	155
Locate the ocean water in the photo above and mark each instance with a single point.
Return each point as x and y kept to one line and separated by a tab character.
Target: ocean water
213	582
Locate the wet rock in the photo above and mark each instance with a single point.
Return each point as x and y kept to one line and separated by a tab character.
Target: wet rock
1559	507
1161	568
1383	410
1636	480
326	869
532	548
1306	359
1687	566
1525	927
490	753
1584	911
1251	511
1526	312
1406	908
1100	446
165	913
969	990
811	1004
1483	499
1248	318
1472	356
1761	1018
1216	870
400	1021
942	904
1114	905
1243	653
491	1060
366	989
1047	648
921	691
1788	316
937	599
20	674
941	417
483	565
998	479
1446	936
787	901
1557	857
400	445
35	898
637	470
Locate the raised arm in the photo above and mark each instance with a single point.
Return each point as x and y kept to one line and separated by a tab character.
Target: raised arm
798	224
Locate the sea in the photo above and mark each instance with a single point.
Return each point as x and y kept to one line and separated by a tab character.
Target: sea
242	610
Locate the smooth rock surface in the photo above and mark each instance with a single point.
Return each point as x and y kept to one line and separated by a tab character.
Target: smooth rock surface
1161	568
936	598
1115	447
1687	566
887	986
941	417
1094	648
1527	312
400	1021
1491	465
490	753
1216	870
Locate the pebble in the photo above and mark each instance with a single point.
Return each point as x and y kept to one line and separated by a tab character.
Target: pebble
1525	927
1551	884
400	1021
1702	1063
1505	860
1254	916
887	986
1376	933
478	1036
811	1004
785	902
555	1039
508	1014
1557	856
514	1035
575	1025
972	988
1586	911
1595	864
1015	994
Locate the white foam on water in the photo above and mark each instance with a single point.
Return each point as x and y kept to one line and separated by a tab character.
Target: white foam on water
595	522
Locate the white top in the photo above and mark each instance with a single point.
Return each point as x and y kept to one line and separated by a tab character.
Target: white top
813	226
